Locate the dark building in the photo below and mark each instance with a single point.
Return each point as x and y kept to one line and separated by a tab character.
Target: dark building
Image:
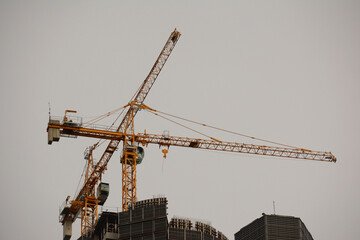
274	227
147	220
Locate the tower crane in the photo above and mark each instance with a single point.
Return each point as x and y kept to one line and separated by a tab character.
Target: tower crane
86	203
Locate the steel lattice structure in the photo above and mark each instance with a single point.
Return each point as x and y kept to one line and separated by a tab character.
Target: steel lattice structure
161	140
85	201
127	128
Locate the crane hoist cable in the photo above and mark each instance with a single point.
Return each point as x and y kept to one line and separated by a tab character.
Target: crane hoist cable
182	125
101	141
80	180
101	117
216	128
104	116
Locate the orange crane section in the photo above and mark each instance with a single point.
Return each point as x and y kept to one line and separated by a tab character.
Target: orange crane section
127	128
167	141
86	202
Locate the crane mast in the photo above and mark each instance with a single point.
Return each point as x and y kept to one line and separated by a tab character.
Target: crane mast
128	159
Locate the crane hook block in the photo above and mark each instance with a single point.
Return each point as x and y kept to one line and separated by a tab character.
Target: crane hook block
164	151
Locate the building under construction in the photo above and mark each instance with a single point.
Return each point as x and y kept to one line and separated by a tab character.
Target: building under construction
274	227
147	220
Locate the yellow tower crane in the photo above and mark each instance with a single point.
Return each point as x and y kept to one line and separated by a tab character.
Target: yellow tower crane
87	203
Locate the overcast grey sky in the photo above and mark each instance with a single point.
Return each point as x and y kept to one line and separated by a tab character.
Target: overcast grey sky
286	71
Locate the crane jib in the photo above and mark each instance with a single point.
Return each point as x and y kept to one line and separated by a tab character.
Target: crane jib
161	140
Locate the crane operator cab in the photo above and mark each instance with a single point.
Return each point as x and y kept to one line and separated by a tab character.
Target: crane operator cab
140	155
132	153
102	192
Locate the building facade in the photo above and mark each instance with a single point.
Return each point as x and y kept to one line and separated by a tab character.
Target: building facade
274	227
